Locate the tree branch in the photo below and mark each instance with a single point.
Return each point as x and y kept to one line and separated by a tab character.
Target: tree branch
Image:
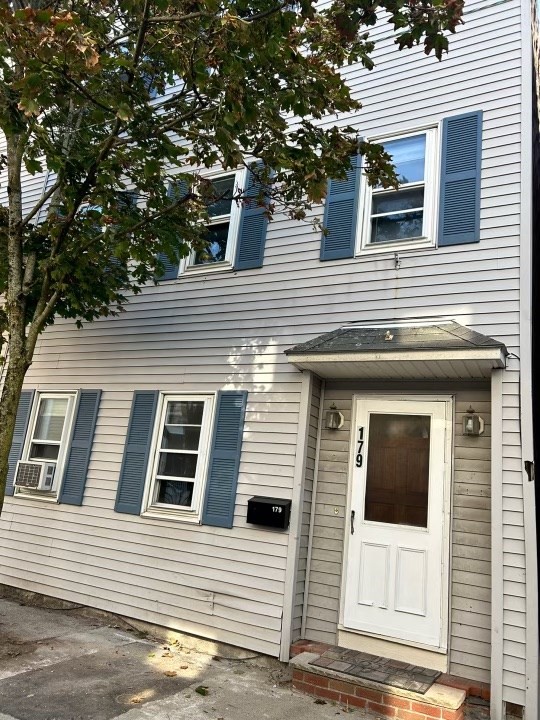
41	202
84	92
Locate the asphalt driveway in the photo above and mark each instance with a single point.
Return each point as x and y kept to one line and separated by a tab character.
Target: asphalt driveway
59	665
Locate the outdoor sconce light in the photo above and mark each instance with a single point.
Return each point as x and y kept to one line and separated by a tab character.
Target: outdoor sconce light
472	423
334	419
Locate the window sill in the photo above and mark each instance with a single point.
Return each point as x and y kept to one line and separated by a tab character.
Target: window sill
389	248
45	497
205	269
155	513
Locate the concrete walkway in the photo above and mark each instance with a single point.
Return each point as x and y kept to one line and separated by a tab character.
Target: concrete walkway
58	665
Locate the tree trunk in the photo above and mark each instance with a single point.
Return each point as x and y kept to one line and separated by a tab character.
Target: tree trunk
9	403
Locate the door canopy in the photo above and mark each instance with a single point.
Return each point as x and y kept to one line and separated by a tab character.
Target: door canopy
416	350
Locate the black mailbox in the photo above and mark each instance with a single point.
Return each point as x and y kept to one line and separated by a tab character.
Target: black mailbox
270	512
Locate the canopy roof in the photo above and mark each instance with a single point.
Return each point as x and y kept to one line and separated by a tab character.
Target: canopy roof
422	349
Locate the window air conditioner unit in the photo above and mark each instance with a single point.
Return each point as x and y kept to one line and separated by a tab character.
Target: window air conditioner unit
33	475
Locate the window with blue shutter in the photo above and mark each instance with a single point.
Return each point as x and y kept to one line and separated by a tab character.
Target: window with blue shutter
136	452
224	459
184	464
43	447
341	213
19	434
459	216
80	447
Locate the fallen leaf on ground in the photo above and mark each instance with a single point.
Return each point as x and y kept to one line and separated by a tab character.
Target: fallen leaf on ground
170	673
184	667
202	690
320	702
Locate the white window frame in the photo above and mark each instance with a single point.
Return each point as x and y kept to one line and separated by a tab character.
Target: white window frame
431	185
50	496
186	264
150	506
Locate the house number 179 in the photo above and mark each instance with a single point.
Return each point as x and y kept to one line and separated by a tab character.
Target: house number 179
359	456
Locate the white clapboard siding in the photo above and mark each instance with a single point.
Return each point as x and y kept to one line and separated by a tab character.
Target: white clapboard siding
469	649
228	330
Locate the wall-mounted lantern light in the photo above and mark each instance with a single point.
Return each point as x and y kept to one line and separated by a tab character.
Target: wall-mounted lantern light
334	419
473	424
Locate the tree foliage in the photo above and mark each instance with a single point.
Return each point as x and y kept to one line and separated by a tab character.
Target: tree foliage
114	96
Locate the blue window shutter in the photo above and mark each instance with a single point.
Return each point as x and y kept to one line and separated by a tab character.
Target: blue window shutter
19	434
136	452
459	219
341	214
78	455
225	459
170	268
252	230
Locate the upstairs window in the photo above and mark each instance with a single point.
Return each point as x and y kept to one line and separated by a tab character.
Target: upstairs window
404	216
217	233
222	230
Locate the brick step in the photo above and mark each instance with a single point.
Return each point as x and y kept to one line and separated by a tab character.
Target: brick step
440	701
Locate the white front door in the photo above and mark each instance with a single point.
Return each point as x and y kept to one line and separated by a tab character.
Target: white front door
397	559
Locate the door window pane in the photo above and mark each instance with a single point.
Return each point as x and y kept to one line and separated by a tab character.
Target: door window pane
397	476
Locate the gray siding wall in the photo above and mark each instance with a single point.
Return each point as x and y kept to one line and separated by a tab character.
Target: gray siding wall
309	474
470	589
228	329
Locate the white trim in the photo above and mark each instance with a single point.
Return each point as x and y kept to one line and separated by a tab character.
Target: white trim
526	414
430	185
492	354
497	612
159	510
295	529
313	513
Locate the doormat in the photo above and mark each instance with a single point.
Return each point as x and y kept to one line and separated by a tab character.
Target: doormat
379	669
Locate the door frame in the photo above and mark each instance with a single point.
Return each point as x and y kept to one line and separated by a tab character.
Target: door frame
447	515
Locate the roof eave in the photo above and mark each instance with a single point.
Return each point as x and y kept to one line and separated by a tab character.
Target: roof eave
447	364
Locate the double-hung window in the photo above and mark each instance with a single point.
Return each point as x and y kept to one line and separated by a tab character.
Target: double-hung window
222	229
46	444
403	217
180	455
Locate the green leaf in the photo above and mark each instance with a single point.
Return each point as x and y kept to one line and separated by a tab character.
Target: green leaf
124	112
33	166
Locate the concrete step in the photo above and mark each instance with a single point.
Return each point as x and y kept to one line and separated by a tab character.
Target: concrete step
439	702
